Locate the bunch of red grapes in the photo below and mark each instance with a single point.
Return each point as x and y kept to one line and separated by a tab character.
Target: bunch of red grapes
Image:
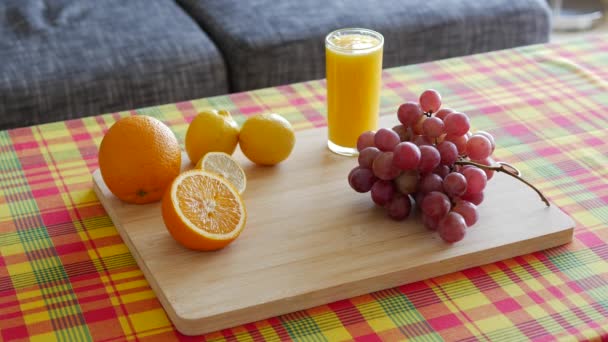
421	160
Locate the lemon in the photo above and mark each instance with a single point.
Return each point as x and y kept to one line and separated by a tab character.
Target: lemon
225	166
211	131
267	139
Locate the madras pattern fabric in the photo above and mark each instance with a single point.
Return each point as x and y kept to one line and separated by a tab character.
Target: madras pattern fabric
65	273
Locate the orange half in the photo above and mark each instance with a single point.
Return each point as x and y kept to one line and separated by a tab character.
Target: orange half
203	211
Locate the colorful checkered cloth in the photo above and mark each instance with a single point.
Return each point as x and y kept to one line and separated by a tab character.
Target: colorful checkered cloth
65	273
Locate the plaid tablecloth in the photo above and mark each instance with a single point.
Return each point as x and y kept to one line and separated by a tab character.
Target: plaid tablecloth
65	273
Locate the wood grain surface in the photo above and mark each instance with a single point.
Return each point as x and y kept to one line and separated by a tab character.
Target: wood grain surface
311	240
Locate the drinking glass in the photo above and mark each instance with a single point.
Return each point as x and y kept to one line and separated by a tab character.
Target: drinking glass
353	58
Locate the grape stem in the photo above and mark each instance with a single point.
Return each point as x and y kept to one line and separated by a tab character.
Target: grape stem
501	168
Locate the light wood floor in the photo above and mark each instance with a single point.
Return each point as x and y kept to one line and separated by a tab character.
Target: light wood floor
600	28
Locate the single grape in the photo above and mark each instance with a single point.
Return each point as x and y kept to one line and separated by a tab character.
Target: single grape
386	139
456	123
476	180
418	198
468	211
432	127
361	180
442	171
429	183
460	141
409	113
383	167
406	156
382	192
420	140
417	128
454	184
479	147
430	222
435	204
489	136
430	101
489	162
461	168
399	207
407	182
473	198
443	112
350	176
367	156
403	132
366	139
452	227
429	159
448	152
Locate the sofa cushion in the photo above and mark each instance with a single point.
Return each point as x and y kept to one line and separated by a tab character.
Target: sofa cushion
68	58
267	42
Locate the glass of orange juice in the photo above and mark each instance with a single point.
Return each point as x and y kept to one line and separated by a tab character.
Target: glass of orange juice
353	58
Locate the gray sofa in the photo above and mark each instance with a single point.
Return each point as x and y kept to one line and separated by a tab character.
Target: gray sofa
64	59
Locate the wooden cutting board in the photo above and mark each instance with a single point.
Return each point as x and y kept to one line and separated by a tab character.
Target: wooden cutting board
311	240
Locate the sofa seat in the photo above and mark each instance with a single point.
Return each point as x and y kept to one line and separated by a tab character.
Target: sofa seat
267	43
63	59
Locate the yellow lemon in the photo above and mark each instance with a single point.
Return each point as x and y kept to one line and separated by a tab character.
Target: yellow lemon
267	139
225	166
211	131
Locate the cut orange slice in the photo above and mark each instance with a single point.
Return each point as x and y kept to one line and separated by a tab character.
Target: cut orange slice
224	165
203	211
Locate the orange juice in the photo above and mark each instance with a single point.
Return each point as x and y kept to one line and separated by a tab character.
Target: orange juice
354	68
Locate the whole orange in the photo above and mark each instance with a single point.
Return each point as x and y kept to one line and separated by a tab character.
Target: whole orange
139	157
